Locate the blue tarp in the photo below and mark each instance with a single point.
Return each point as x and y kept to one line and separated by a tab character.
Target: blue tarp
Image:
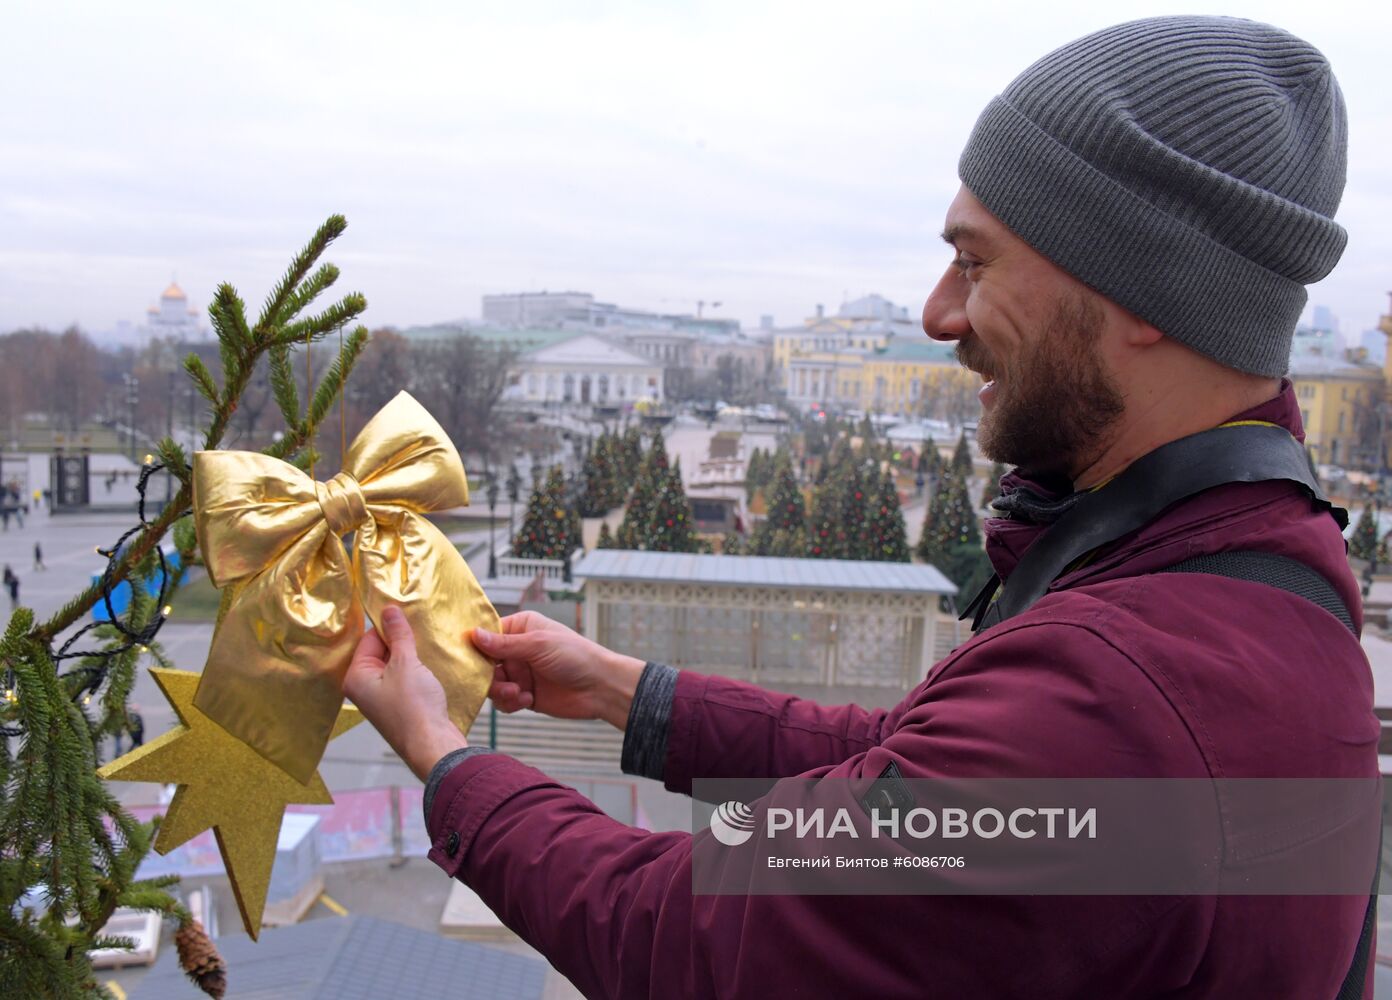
120	595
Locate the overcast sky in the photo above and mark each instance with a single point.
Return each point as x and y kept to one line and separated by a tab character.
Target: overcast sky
767	156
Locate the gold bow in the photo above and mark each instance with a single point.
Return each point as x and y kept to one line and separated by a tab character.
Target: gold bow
271	536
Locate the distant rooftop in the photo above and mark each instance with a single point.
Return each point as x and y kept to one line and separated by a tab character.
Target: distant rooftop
1314	365
916	349
763	571
523	339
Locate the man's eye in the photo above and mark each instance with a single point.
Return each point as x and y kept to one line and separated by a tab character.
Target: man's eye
964	264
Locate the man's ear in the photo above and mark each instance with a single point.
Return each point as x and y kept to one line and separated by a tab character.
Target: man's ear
1139	333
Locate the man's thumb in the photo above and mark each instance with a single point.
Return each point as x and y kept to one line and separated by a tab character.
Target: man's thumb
500	646
396	630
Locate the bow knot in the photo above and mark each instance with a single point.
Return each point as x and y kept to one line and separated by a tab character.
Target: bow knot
293	601
342	501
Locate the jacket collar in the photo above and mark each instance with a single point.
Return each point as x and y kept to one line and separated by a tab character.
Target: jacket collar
1029	504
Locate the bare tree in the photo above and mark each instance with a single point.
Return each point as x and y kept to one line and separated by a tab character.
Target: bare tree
460	380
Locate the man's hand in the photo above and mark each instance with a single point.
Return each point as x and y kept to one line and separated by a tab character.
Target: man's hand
400	697
544	666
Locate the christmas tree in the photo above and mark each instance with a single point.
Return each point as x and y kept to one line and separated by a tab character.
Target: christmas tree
859	483
658	515
550	528
754	477
829	531
68	850
950	520
889	540
786	507
631	449
962	457
1364	542
602	478
992	488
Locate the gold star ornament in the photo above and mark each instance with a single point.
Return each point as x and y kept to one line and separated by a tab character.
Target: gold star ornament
223	784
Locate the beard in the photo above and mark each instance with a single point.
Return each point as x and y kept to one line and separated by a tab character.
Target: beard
1055	402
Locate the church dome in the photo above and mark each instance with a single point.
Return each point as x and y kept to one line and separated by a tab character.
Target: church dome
173	292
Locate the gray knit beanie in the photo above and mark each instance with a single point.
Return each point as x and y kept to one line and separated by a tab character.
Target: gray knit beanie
1188	168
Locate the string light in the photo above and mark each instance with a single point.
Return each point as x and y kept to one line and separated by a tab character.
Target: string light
167	610
90	674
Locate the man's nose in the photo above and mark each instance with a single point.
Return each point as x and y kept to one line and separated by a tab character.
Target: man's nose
945	312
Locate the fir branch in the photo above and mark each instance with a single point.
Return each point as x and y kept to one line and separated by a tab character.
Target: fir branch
318	327
287	397
274	313
228	315
315	285
307	459
172	457
332	383
202	378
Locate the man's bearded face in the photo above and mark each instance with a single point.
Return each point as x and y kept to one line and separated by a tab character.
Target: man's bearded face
1053	400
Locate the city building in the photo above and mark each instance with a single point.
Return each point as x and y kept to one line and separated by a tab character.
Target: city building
918	376
821	333
904	376
825	378
173	318
584	369
873	307
579	310
1340	401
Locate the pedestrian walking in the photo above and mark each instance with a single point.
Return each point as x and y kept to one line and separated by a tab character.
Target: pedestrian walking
135	725
38	557
12	585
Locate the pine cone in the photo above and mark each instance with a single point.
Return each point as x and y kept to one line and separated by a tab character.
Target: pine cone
199	959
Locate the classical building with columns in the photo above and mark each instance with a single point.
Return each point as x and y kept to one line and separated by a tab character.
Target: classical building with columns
585	369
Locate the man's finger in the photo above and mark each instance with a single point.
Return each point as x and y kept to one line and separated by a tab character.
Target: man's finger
370	647
516	622
497	646
397	631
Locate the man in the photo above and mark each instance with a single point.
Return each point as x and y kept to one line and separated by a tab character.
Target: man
1139	213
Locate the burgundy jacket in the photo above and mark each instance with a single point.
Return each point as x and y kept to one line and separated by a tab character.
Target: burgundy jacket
1111	674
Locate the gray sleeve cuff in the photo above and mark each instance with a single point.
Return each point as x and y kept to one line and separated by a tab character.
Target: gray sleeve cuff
645	735
444	766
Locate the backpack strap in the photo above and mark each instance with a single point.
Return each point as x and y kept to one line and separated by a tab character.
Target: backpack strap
1240	452
1275	571
1294	576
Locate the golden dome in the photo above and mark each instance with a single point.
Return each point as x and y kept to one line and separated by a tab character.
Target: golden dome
173	292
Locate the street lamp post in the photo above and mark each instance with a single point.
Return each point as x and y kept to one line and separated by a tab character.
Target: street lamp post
132	397
169	433
514	490
492	531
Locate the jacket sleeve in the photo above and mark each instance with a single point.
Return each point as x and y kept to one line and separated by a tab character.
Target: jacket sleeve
612	907
724	728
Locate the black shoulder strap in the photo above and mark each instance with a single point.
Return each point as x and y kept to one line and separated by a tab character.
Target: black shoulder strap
1274	571
1233	453
1352	988
1294	576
